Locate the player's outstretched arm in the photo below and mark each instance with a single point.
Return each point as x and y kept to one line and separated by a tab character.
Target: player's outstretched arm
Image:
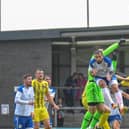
125	95
113	47
110	49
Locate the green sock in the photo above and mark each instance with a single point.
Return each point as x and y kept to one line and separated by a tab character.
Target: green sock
86	120
95	119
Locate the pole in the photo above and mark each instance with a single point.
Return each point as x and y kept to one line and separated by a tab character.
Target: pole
73	56
88	24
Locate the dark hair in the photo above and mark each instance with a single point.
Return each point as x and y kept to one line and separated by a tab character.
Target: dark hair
98	51
39	69
25	76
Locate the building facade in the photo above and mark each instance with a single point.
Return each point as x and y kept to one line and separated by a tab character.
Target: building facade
58	52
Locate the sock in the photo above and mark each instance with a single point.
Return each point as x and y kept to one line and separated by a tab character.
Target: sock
103	119
86	120
106	125
107	95
95	119
119	99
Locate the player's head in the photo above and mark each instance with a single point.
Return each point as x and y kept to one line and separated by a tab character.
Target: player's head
39	74
98	55
48	79
27	79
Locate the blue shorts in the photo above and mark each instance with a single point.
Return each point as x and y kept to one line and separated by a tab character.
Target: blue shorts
23	122
112	118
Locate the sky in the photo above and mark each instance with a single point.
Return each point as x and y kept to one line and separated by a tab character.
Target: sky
53	14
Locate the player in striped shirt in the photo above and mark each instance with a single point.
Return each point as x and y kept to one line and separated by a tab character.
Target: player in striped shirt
41	90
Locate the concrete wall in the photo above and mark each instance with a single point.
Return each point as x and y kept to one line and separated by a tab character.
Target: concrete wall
16	59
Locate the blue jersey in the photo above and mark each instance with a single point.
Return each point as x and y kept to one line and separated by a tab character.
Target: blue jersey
24	95
22	118
102	68
52	91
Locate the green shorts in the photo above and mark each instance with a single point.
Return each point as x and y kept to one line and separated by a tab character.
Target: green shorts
94	93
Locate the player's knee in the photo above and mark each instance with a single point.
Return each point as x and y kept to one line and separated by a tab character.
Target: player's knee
92	109
116	125
48	127
36	127
107	109
101	108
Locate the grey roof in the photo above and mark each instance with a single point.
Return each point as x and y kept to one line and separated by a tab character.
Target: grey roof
64	33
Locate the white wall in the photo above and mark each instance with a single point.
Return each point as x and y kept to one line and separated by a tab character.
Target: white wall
109	12
42	14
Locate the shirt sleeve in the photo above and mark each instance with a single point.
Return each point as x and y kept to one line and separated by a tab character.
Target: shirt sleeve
52	94
90	68
18	98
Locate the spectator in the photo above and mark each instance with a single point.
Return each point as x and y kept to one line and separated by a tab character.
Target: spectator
81	82
60	113
71	82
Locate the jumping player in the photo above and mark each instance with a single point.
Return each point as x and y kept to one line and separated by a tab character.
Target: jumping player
89	114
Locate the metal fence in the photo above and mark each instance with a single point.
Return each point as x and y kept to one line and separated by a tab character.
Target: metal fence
71	105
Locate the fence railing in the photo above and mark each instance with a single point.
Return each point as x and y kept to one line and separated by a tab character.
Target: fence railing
69	94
